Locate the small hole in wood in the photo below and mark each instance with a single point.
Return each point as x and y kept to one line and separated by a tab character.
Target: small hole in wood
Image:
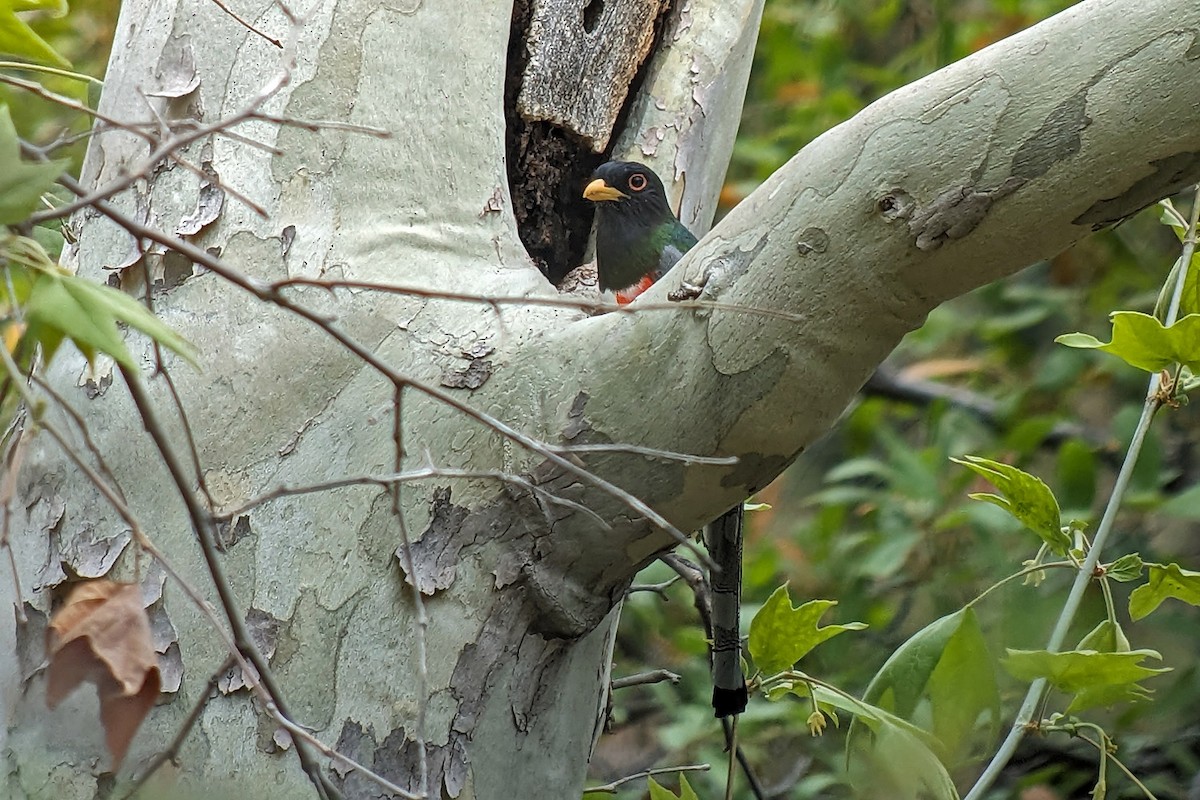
591	14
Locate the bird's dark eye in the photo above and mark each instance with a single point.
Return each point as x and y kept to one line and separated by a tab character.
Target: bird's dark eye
637	181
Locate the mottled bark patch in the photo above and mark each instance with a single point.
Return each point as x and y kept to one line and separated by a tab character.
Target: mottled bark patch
475	374
755	470
812	240
397	759
1168	176
956	212
435	553
1059	137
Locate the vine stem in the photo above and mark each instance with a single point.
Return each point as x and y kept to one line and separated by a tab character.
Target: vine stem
1087	569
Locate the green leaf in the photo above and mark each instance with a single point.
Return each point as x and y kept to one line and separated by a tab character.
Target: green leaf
898	754
1107	637
18	39
780	635
1189	301
947	664
1126	568
660	792
1095	678
1163	582
22	183
1024	496
963	694
1142	341
87	313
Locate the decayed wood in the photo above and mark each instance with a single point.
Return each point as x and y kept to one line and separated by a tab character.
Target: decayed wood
583	55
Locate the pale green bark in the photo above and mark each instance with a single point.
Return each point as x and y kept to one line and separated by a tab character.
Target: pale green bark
1032	136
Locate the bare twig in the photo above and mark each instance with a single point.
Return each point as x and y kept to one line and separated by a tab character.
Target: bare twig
887	381
172	752
8	488
298	732
221	5
589	306
643	678
204	526
659	589
420	474
611	788
84	433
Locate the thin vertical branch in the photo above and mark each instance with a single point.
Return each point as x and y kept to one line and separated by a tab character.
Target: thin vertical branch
203	524
1025	716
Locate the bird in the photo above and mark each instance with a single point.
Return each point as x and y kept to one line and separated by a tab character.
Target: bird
638	239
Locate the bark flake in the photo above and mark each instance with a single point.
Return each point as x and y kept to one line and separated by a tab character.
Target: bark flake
956	212
1168	176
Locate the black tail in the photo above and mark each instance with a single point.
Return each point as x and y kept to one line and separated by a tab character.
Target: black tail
724	540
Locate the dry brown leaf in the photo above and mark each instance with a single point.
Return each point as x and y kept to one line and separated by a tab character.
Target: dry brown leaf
102	635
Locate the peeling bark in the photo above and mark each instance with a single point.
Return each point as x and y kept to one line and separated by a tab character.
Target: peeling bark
965	176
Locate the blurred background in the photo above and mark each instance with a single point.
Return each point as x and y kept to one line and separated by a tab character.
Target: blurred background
876	516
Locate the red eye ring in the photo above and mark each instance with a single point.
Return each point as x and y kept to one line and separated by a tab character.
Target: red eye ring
637	181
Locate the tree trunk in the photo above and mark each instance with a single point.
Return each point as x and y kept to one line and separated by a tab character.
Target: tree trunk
965	176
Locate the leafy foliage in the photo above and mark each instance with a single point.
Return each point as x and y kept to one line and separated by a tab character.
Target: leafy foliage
1093	677
21	183
1141	341
1165	582
946	668
1024	496
781	634
659	792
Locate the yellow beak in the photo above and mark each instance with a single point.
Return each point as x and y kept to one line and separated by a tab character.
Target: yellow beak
598	191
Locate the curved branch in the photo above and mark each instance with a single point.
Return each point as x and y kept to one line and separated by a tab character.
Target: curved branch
968	175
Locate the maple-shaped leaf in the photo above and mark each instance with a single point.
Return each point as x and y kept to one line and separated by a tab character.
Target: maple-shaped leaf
102	635
780	634
660	792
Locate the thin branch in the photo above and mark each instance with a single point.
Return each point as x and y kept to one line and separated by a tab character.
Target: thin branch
84	432
643	678
652	452
204	526
172	752
611	788
1087	568
423	473
298	732
659	589
887	381
590	306
248	26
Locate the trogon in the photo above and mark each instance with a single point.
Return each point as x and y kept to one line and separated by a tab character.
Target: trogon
638	238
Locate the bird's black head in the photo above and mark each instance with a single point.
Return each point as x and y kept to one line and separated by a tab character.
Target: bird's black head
628	187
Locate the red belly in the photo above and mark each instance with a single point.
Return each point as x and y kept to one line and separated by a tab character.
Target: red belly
626	296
